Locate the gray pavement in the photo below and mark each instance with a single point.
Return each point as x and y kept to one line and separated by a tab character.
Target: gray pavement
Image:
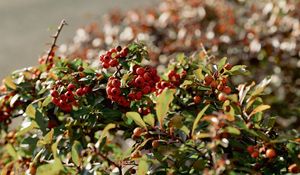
25	25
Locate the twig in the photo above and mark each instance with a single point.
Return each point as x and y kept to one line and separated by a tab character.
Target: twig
53	45
111	162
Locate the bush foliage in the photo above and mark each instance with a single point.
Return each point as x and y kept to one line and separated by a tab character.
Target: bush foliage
124	118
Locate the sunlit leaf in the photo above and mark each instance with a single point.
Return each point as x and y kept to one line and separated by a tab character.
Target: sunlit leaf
30	111
259	108
8	81
106	130
221	63
232	130
162	105
143	166
136	118
149	119
76	149
199	116
198	74
11	151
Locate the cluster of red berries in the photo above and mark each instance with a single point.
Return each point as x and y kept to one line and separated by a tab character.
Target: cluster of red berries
65	100
110	58
218	83
142	82
174	81
254	151
113	90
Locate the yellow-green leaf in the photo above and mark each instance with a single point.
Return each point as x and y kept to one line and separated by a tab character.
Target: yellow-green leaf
149	119
47	101
136	118
143	166
30	111
162	105
47	139
198	74
27	129
76	149
105	131
11	151
199	116
222	63
8	81
259	108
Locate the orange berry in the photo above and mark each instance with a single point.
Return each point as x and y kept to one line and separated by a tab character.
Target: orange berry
294	168
222	97
270	153
155	143
137	132
197	99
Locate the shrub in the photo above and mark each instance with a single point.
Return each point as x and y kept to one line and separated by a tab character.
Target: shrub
127	119
262	35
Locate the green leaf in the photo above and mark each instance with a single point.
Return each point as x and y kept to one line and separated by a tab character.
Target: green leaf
76	149
176	121
40	120
47	139
30	111
196	121
198	74
232	130
11	151
149	119
8	81
162	105
259	108
143	166
136	118
46	101
221	63
105	131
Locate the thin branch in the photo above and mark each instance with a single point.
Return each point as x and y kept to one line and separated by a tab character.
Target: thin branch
53	45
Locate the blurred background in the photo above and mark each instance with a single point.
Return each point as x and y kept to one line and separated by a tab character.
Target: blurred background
25	26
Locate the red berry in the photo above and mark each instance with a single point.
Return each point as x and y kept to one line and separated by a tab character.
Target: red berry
197	99
116	83
139	81
255	154
86	89
69	94
140	71
106	59
228	66
105	65
147	76
108	90
222	97
140	110
124	52
67	108
115	91
146	111
138	95
251	149
113	63
220	87
71	87
79	92
270	153
227	90
146	90
63	97
55	101
171	74
213	84
208	79
119	48
131	96
54	93
294	168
